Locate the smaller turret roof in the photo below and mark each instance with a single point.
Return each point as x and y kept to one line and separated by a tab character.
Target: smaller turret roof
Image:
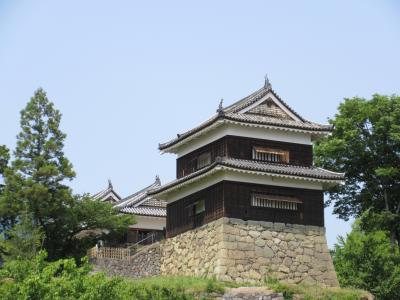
108	194
140	203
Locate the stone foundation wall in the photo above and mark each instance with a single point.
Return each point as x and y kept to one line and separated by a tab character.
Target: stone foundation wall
193	253
238	250
143	264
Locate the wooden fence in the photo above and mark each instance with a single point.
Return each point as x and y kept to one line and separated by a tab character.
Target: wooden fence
110	252
120	253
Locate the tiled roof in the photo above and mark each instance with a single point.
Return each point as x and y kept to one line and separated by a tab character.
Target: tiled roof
107	193
254	97
260	119
145	211
140	203
276	168
257	166
275	118
137	197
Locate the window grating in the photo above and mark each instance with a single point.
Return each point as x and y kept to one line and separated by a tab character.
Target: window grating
274	201
269	154
203	160
196	208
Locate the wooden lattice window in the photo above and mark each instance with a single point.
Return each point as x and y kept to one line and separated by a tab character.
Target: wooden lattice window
275	201
196	208
270	154
203	160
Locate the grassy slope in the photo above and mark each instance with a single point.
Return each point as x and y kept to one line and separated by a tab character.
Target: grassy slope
195	287
315	292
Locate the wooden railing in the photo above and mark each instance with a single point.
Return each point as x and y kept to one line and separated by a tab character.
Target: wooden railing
110	252
120	253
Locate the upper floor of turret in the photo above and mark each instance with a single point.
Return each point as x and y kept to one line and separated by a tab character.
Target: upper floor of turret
260	127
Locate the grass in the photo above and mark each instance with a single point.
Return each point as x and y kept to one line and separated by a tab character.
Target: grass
189	284
202	288
312	292
190	287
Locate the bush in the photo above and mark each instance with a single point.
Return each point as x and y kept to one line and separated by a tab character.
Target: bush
63	279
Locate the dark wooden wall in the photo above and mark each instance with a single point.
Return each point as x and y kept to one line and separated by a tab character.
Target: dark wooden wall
242	147
232	199
237	200
178	219
187	163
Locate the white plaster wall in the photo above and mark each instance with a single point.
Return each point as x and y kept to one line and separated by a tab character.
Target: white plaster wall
146	222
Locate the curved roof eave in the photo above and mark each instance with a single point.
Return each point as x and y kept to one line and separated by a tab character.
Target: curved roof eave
231	112
246	166
183	139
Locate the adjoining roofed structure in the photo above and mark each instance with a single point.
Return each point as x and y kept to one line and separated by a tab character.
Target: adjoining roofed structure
140	203
150	212
108	194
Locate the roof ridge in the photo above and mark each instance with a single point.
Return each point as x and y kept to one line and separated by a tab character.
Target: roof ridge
229	107
142	190
107	190
231	112
101	192
142	193
235	108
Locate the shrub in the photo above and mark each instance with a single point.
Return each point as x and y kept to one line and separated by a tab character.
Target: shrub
63	279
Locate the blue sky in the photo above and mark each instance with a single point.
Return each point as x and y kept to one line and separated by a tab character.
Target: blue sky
129	74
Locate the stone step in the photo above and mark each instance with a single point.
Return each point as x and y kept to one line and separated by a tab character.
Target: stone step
252	293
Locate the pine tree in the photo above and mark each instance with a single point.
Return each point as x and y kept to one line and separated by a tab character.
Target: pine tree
9	201
36	182
4	158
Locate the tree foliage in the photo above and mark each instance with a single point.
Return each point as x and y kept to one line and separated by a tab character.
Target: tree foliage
10	203
365	144
4	158
36	181
364	260
23	240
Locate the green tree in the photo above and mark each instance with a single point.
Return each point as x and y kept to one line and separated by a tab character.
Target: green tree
9	202
4	158
37	181
364	260
83	223
365	144
23	240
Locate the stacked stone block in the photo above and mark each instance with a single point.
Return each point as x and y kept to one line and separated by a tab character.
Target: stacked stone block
237	250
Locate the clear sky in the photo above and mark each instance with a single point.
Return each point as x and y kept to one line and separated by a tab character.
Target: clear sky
129	74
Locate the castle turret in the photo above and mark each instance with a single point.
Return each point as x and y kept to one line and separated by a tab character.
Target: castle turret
248	201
